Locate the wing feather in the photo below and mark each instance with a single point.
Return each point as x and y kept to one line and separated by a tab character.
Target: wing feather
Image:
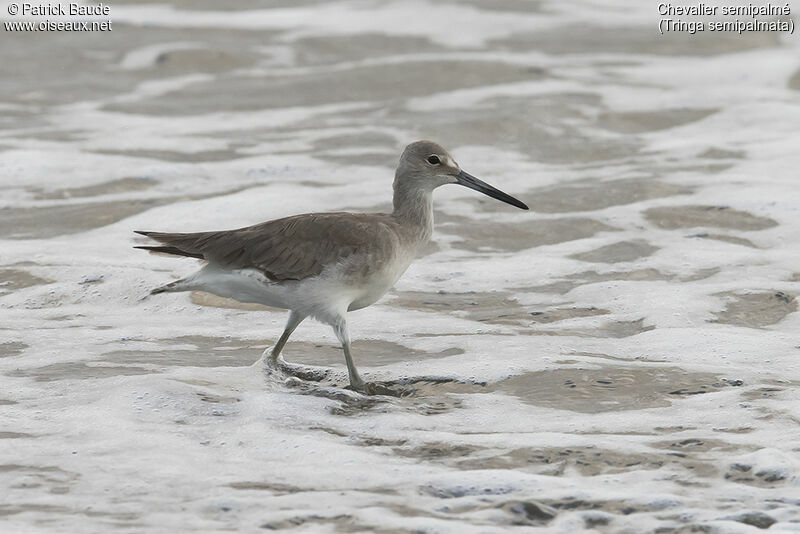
292	248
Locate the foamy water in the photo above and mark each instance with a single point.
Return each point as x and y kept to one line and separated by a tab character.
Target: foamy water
623	358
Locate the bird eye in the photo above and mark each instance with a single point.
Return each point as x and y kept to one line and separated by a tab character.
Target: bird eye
434	159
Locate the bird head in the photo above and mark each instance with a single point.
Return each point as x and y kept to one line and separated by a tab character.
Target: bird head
427	165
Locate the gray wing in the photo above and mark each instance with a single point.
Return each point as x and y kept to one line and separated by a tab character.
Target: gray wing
292	248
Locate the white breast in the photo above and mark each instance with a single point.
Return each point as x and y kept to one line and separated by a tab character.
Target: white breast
380	281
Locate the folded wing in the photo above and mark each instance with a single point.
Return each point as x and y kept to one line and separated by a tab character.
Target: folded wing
292	248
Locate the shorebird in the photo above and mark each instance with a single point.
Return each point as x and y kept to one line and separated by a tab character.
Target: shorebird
323	265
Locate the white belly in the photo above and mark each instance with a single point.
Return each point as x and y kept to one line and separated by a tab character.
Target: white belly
244	285
324	297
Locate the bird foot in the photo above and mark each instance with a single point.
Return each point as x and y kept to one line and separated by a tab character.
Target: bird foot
280	366
372	388
293	382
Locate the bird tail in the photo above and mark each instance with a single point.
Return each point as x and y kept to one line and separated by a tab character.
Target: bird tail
168	247
172	287
173	251
184	284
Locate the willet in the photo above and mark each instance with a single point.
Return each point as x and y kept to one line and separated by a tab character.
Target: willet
323	265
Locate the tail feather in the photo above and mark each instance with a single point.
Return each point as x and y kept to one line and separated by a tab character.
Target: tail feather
175	251
172	286
175	244
169	248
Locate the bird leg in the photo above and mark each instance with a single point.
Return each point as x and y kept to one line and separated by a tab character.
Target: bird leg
294	320
340	328
276	363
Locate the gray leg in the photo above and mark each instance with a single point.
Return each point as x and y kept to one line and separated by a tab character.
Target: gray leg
294	320
340	328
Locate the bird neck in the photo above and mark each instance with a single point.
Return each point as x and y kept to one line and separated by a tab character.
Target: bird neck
413	206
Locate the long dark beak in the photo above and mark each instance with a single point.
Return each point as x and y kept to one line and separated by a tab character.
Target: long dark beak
467	180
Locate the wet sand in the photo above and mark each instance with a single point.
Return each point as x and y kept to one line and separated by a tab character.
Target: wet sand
713	216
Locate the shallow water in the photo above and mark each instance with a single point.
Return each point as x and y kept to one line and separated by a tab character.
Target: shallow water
622	358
